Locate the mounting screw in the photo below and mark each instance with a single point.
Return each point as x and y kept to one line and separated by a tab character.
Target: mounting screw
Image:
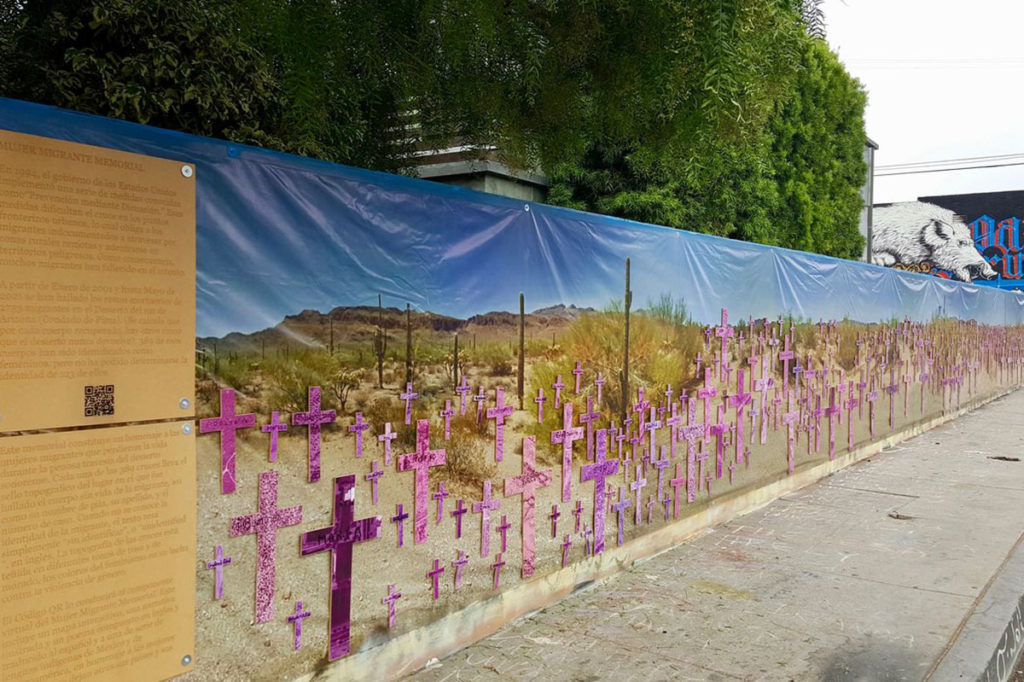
186	170
184	403
186	428
526	207
186	659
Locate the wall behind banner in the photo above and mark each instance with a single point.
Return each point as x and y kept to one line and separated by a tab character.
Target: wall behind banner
414	397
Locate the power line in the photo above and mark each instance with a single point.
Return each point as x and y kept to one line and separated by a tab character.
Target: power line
943	162
948	170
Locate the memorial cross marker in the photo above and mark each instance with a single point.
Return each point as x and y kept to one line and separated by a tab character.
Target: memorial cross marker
357	428
227	423
484	508
598	472
274	428
526	484
314	418
420	462
297	619
408	397
565	436
498	414
218	564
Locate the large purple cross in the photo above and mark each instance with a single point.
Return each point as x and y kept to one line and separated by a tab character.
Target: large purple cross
373	477
578	373
408	397
458	513
447	413
439	496
526	484
386	438
265	524
399	520
463	390
218	564
274	428
597	472
389	601
565	436
338	539
435	577
227	423
620	508
357	428
637	487
588	418
461	560
297	619
421	461
484	508
724	332
498	414
314	419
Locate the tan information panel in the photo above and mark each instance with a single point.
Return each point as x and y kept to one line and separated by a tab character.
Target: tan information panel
97	285
97	572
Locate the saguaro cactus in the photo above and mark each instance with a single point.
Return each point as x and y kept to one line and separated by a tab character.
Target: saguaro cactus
408	343
380	342
522	348
455	363
624	374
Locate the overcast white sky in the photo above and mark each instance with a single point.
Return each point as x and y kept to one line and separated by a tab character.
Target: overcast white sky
945	79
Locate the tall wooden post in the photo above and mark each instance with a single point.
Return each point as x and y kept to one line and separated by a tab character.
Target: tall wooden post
624	376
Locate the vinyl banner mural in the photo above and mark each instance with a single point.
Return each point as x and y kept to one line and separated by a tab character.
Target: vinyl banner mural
412	398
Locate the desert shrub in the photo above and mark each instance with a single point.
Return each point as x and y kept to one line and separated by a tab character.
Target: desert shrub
469	459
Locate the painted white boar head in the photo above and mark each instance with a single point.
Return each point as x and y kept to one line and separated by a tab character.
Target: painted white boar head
915	232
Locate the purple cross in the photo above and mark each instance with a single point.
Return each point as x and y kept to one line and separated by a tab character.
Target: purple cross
314	419
399	519
637	487
724	332
871	398
597	472
588	535
565	436
526	484
265	524
484	508
554	520
599	382
566	544
389	601
447	413
891	389
676	484
786	355
372	478
578	373
719	430
421	461
706	394
218	564
227	423
691	433
708	333
661	465
273	428
299	616
358	429
620	508
817	415
641	408
578	512
386	438
461	561
907	380
408	397
458	513
558	386
540	400
667	502
850	403
650	427
650	508
496	569
789	419
588	418
480	399
831	411
673	423
463	389
435	577
739	400
498	414
503	529
339	539
439	496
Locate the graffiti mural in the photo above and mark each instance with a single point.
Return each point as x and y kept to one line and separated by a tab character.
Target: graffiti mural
1000	246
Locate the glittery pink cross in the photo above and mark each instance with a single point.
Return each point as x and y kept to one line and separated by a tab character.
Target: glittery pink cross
373	477
273	428
447	413
421	461
597	472
386	438
578	373
357	428
227	423
484	508
463	390
314	418
408	397
566	436
498	414
526	484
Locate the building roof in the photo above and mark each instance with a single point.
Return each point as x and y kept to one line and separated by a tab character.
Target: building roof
997	205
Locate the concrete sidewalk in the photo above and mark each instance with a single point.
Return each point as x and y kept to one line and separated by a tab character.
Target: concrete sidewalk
907	566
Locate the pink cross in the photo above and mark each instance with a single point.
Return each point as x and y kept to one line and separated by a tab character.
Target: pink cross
589	417
637	486
372	478
297	619
526	484
620	508
566	544
463	390
265	524
578	373
273	428
565	436
786	355
706	394
461	561
357	428
227	423
850	403
719	430
739	400
496	569
661	465
641	408
599	382
480	399
724	332
408	397
578	512
540	400
831	411
447	413
386	438
498	414
650	427
421	461
218	564
597	472
435	576
389	601
314	418
484	508
439	496
457	514
558	386
399	520
676	484
789	419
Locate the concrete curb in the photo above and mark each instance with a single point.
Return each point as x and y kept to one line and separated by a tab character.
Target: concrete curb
413	650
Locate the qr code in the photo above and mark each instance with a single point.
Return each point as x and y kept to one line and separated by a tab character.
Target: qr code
99	401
